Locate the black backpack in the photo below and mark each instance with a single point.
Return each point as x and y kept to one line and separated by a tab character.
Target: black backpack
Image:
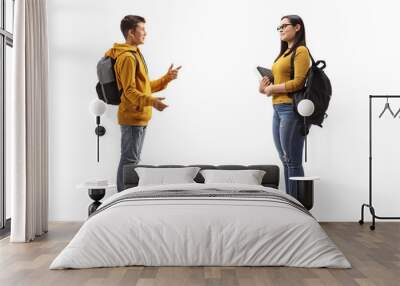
317	88
107	88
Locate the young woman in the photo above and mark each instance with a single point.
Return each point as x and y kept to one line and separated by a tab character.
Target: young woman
287	124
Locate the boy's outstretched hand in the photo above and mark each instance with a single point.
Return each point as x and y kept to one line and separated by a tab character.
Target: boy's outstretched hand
172	72
159	104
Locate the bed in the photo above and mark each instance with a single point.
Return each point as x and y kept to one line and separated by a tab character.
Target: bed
201	224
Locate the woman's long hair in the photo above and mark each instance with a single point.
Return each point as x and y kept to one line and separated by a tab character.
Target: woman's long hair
299	38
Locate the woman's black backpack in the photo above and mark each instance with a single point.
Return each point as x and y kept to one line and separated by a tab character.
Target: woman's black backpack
317	88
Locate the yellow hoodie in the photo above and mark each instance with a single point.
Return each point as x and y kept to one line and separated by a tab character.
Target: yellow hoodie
136	104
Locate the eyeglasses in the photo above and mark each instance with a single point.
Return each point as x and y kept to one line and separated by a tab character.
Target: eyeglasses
283	26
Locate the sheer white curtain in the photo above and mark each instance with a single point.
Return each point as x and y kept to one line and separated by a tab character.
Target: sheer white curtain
29	122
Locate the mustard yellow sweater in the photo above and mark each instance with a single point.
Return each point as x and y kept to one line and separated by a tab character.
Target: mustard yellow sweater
281	72
135	108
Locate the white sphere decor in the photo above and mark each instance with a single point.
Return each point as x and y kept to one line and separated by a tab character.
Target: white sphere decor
97	107
305	107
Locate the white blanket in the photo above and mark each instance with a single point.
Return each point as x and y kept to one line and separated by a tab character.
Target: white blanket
185	231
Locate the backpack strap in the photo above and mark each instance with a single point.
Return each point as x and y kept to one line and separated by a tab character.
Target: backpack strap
304	118
136	60
292	64
292	61
136	68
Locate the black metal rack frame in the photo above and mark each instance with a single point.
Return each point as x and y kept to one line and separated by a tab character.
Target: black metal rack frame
370	205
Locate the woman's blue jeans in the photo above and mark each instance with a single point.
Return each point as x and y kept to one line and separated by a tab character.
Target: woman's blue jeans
289	141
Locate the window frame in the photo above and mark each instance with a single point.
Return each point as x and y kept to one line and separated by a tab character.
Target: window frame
6	39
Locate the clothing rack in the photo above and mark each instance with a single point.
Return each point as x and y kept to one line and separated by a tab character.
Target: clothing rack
370	205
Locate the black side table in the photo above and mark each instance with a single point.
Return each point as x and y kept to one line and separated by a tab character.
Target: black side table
305	190
96	193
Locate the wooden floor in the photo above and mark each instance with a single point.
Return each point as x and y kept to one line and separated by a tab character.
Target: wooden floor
375	256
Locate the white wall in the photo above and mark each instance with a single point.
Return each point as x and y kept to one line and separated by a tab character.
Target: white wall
216	115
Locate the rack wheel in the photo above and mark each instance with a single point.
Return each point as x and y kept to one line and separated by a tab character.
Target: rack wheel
372	227
361	222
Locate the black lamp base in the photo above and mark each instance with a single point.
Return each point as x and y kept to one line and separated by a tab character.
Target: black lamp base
96	195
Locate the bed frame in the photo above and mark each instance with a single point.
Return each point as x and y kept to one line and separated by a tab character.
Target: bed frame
270	179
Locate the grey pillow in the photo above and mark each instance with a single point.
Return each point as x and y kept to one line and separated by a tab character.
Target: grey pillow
166	176
248	177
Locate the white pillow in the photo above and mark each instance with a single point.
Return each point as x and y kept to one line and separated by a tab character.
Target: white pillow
248	177
166	176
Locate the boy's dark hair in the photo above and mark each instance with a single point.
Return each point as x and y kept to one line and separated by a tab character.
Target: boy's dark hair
130	22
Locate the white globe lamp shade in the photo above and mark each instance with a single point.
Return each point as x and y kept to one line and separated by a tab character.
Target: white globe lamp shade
97	107
305	107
